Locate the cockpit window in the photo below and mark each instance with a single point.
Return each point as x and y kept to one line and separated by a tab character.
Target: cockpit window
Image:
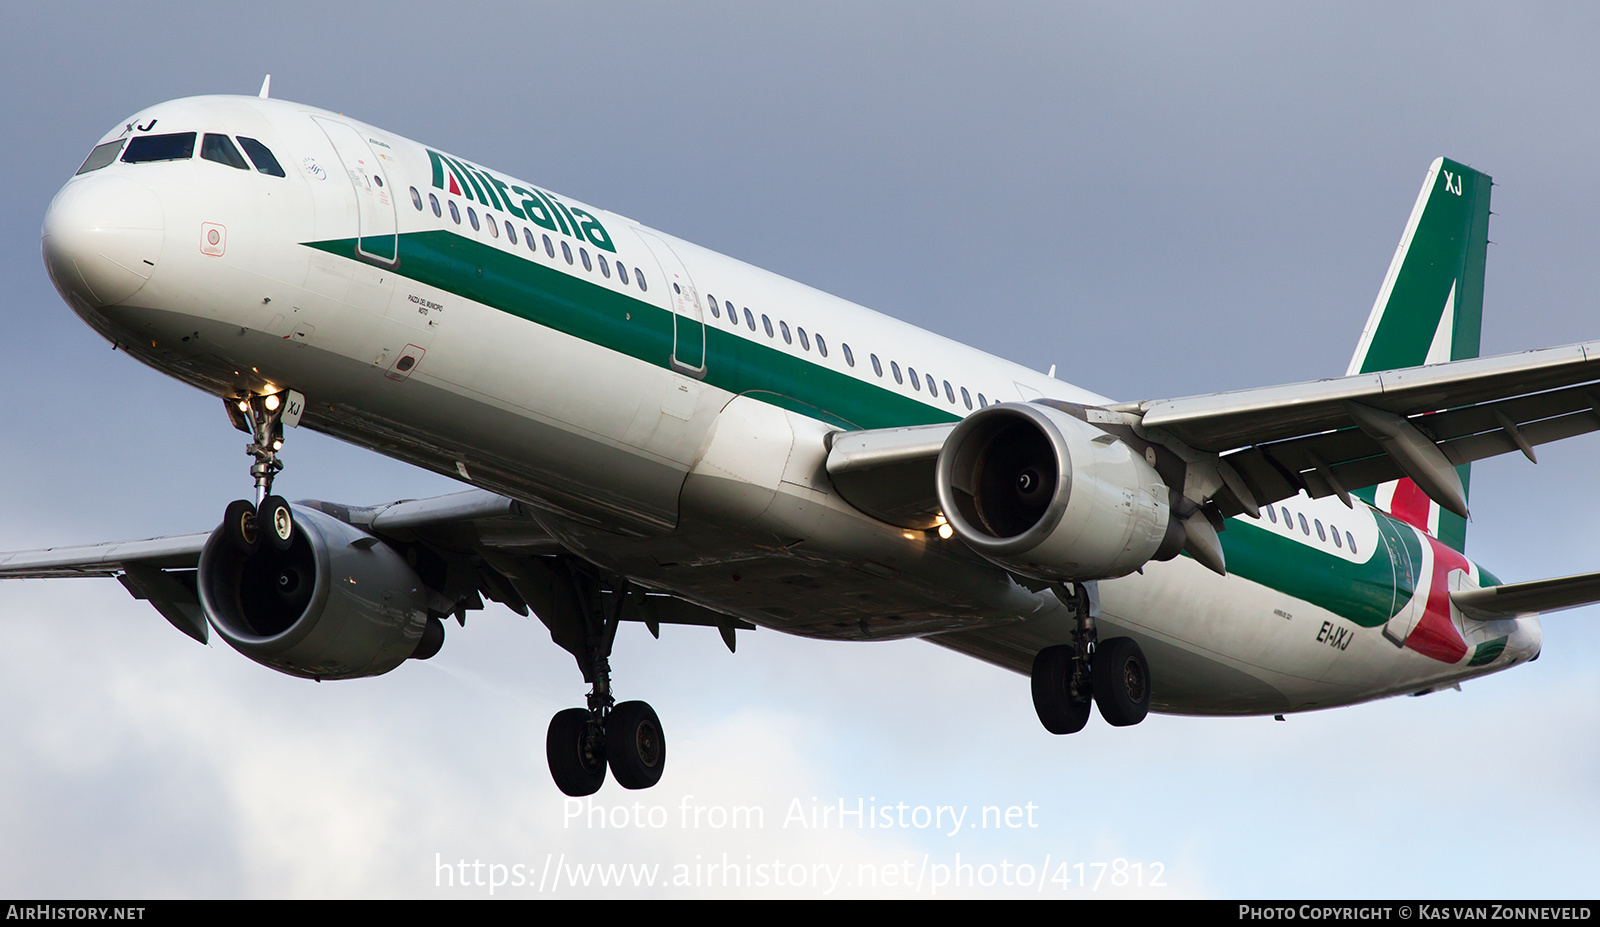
178	146
219	149
101	156
263	159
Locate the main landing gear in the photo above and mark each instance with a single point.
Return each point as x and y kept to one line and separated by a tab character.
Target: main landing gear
269	520
1068	677
626	736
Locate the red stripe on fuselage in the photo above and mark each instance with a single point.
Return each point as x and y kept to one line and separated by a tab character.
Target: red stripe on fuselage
1435	636
1411	505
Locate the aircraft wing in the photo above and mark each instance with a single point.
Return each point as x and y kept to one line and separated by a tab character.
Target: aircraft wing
1540	595
1328	436
178	552
470	545
1324	437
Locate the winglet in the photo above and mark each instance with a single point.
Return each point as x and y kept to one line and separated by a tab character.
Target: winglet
266	85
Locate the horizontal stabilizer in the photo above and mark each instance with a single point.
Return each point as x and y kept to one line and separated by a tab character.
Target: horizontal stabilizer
1540	595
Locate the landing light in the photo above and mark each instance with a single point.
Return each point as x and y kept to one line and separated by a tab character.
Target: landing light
945	531
273	403
244	405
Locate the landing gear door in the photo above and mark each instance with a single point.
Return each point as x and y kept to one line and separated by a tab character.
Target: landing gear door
688	322
376	236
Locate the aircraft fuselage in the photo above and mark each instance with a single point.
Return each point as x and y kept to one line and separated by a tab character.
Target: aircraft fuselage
664	409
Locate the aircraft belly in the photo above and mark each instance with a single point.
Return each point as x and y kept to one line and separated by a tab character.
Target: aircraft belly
764	536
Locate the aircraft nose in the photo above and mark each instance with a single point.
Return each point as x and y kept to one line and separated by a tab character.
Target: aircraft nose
102	238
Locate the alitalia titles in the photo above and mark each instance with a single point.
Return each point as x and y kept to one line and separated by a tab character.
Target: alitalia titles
458	178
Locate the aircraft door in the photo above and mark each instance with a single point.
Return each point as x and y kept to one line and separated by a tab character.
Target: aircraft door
377	233
1407	606
688	322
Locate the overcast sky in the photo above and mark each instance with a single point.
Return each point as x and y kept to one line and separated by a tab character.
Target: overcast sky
1160	199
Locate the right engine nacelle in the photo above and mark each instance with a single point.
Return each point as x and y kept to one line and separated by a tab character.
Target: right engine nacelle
1049	496
338	604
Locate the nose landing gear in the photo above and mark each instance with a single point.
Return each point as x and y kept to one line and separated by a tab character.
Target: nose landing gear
270	519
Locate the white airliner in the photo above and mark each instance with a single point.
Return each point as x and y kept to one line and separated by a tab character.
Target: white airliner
661	434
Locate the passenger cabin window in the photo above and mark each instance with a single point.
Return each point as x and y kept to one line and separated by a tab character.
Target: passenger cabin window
1350	542
966	398
877	366
220	149
916	381
494	227
849	358
262	158
605	271
101	156
749	319
433	203
822	346
178	146
584	254
982	402
455	214
712	300
549	246
766	323
472	216
894	368
511	233
622	273
416	199
805	340
638	277
784	328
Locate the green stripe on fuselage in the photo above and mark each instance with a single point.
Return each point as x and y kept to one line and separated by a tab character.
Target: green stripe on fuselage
1364	593
1487	651
622	323
1368	593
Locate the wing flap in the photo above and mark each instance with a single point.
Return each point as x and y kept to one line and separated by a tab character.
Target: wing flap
1222	422
1348	458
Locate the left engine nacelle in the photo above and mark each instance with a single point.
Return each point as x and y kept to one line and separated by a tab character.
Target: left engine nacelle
1050	496
338	604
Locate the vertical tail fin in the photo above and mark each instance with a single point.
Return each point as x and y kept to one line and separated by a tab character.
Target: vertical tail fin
1430	310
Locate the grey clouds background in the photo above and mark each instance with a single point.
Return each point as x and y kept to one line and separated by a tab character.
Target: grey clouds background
1160	199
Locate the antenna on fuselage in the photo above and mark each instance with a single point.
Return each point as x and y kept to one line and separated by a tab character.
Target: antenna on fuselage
266	84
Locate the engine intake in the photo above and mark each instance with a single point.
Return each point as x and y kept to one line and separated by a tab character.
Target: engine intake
338	604
1050	496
